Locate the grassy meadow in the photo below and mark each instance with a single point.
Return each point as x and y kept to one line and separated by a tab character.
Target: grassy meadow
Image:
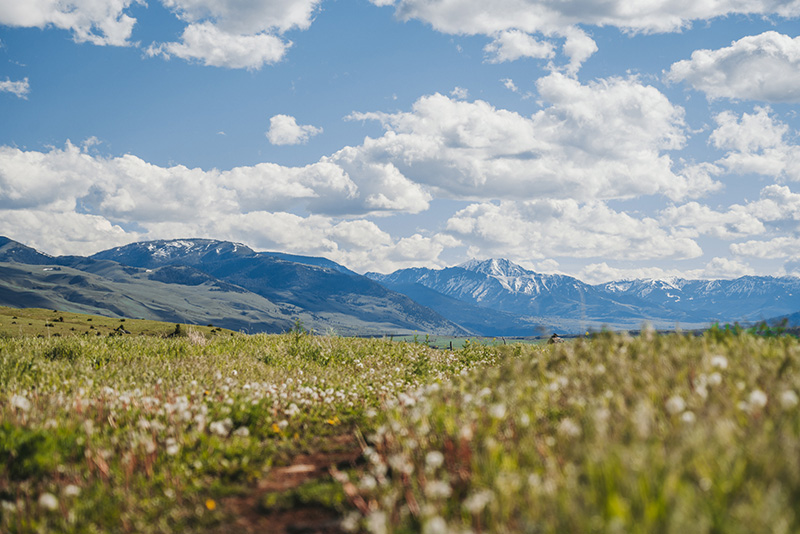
203	433
38	322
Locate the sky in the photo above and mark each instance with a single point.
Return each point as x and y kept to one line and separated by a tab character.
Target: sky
604	140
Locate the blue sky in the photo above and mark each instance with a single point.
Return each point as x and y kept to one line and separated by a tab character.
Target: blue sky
602	140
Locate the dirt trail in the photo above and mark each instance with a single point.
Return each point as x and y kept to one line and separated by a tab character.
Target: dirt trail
342	451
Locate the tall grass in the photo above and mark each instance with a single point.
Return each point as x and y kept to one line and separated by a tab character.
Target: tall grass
134	434
654	434
658	434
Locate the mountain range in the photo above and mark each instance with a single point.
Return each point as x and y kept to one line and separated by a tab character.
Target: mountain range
562	302
205	281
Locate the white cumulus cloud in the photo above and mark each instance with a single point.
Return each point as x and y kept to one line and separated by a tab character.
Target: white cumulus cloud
235	34
716	268
513	44
762	67
777	203
284	130
63	231
237	16
206	43
693	219
20	88
553	19
593	141
480	17
98	22
778	247
552	228
129	189
69	201
756	143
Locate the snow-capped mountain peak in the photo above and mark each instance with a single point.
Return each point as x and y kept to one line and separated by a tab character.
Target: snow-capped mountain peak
182	247
495	267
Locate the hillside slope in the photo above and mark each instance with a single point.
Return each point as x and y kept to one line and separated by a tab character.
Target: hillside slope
207	281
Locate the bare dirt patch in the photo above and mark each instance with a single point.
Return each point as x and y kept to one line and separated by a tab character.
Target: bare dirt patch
265	510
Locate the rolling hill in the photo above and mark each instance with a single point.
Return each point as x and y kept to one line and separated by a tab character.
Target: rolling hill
207	281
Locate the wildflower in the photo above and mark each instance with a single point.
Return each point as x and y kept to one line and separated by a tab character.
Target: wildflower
435	525
714	379
757	398
433	460
788	399
569	428
400	464
72	490
149	446
376	522
497	411
719	361
675	405
242	432
476	502
172	447
18	401
48	501
688	417
438	489
221	428
350	522
211	504
368	483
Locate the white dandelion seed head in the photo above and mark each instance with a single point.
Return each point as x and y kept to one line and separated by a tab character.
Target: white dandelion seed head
376	522
48	501
20	402
497	411
435	525
438	489
719	361
757	398
476	502
675	405
569	428
788	399
433	460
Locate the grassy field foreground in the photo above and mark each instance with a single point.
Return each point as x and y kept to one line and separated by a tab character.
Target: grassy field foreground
654	434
